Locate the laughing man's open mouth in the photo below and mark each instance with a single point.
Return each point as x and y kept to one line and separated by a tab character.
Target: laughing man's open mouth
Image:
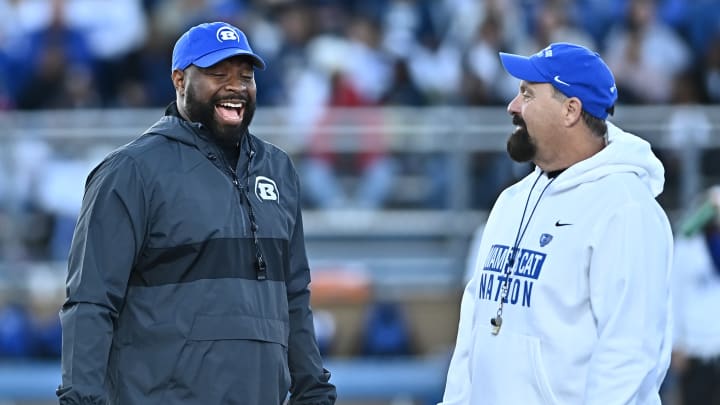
230	112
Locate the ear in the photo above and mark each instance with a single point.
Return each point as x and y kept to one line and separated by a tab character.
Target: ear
572	111
178	79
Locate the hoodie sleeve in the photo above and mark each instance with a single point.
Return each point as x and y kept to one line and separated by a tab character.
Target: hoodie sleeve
310	381
630	299
108	237
457	386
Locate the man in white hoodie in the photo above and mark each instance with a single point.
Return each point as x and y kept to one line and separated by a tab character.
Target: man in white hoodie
569	302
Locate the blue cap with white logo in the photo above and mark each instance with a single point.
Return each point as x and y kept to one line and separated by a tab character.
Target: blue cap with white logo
207	44
574	70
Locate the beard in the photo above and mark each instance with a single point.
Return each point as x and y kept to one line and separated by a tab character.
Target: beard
520	146
204	113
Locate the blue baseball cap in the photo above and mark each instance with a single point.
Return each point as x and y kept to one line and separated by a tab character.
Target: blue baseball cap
573	69
207	44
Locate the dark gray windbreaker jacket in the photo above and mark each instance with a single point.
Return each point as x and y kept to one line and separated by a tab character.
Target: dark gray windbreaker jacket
164	305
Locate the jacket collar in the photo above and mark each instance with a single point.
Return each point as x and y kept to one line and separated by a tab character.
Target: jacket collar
173	126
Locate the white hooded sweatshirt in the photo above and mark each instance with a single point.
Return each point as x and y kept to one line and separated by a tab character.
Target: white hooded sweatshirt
587	315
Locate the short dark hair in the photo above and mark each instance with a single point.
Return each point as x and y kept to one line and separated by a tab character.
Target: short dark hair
597	126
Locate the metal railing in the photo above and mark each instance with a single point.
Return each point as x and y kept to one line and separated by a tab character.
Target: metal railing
457	133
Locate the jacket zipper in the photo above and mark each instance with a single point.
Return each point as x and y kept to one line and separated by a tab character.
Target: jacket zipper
260	264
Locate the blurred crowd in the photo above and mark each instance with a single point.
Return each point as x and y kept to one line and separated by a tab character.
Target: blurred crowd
99	53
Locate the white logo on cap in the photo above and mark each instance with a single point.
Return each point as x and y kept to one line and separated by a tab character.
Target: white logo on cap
613	88
546	53
227	34
557	79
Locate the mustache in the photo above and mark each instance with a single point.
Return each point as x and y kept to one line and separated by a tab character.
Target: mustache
517	120
231	96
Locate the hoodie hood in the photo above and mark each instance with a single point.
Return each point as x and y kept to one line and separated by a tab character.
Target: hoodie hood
168	126
625	153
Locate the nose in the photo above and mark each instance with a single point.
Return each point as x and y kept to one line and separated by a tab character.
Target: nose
514	106
236	84
236	89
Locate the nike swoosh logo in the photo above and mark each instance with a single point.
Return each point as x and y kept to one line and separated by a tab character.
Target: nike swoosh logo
558	223
557	79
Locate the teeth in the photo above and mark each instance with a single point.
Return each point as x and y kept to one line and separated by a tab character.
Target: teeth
232	105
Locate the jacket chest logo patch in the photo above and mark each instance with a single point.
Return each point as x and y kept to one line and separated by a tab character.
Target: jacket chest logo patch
265	189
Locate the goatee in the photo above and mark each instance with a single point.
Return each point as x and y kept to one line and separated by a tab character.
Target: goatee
520	146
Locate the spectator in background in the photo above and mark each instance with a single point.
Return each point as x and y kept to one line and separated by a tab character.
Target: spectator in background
711	69
148	85
173	16
462	18
697	21
349	75
645	54
435	67
401	21
369	67
298	78
425	33
6	95
16	339
29	323
331	156
553	22
114	31
60	188
696	298
56	70
45	295
488	84
6	234
272	84
402	91
31	226
597	17
485	82
433	167
689	130
386	331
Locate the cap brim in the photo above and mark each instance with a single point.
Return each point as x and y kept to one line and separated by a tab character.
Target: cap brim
218	56
521	67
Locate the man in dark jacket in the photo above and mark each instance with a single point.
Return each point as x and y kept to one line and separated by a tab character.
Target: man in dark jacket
188	277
